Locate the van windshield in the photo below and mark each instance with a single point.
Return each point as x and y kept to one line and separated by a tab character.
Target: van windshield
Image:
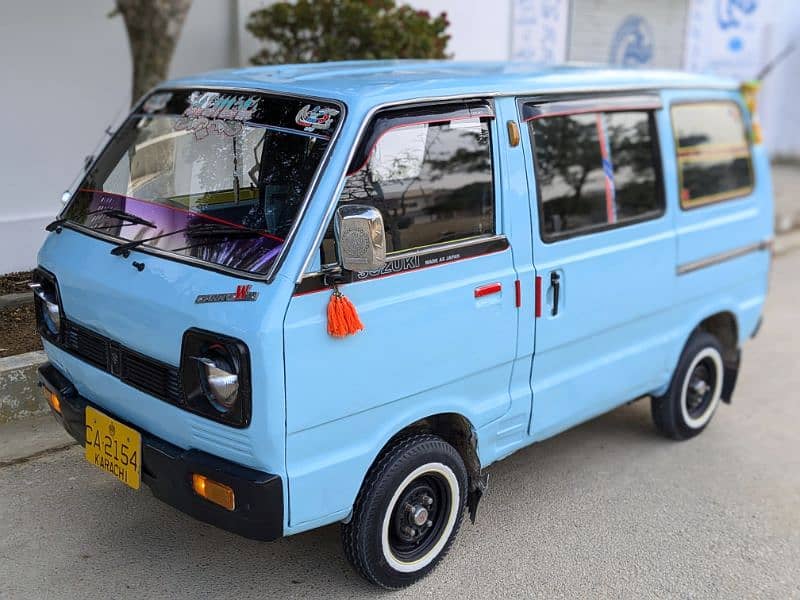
214	176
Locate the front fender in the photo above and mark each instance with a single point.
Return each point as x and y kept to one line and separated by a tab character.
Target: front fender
327	464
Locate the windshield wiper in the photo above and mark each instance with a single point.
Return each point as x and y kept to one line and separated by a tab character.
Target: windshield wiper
207	230
106	212
223	234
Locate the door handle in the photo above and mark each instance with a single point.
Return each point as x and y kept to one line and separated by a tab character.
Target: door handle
488	289
555	281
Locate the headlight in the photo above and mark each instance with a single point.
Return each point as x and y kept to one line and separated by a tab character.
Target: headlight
215	373
47	303
219	377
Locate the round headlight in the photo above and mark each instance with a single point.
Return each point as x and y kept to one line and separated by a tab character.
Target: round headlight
51	313
52	316
220	379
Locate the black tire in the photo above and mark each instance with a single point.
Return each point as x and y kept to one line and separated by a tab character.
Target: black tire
384	540
694	393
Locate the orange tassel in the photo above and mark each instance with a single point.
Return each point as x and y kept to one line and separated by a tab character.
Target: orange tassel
343	318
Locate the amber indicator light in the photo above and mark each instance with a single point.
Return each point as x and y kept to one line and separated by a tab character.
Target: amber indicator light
213	491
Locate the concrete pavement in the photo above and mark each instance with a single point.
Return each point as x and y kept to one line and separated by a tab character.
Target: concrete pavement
606	510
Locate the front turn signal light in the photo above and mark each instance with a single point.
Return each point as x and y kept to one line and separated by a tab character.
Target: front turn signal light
52	399
213	491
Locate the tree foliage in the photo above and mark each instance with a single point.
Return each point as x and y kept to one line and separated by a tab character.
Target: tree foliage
323	30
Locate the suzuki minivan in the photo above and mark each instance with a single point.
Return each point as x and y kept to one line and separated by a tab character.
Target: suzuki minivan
284	297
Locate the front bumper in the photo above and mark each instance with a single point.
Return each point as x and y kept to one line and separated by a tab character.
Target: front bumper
167	470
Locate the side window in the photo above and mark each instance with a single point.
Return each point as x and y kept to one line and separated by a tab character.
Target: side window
595	171
713	153
432	182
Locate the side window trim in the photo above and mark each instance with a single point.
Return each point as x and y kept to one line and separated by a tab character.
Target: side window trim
736	194
394	118
408	261
531	109
430	114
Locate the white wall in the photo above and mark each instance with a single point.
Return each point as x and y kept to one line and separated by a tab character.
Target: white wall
780	111
66	74
479	30
595	23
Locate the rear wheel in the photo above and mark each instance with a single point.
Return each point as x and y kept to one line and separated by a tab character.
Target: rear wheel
407	513
694	394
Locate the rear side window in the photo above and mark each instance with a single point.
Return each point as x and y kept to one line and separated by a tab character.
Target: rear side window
713	153
595	171
432	182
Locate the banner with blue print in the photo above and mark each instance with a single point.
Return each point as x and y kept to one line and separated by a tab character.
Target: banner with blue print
539	30
728	37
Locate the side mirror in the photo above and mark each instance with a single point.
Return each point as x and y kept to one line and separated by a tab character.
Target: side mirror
360	238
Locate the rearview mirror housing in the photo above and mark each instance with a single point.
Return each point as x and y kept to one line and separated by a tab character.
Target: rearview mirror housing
360	238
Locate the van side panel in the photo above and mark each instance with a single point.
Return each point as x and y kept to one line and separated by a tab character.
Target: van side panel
431	345
723	253
428	343
606	339
503	436
607	343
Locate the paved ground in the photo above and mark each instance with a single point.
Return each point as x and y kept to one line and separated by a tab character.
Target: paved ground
606	510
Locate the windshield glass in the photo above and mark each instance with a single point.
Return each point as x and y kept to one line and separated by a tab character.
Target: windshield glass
215	176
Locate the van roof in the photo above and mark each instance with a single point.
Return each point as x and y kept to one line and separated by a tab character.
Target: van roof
379	81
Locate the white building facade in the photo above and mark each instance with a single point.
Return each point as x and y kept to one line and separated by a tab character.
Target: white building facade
66	71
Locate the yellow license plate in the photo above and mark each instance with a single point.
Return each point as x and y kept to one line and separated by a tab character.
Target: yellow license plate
114	447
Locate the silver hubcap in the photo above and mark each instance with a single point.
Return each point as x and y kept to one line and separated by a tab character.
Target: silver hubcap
419	515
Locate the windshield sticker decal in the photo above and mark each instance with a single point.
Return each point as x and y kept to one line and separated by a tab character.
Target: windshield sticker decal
212	112
156	102
202	127
316	119
214	105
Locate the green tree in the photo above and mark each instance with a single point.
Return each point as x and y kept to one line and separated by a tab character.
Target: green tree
322	30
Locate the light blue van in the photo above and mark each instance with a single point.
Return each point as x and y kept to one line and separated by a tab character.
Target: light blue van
525	248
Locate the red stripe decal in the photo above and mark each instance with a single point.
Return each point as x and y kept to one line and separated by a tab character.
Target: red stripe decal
518	292
183	210
538	296
488	289
611	215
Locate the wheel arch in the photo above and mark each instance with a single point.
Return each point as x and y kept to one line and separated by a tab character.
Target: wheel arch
458	431
724	326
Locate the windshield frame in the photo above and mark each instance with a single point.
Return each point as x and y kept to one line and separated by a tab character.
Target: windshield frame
269	276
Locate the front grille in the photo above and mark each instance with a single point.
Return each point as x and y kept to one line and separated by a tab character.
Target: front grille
146	374
150	376
87	345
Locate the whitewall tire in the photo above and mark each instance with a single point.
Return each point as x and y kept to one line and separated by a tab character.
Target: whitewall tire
696	389
408	511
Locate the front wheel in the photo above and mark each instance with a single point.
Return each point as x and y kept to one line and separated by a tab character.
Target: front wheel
694	394
407	513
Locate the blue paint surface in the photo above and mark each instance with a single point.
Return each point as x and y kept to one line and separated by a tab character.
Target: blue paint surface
323	408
